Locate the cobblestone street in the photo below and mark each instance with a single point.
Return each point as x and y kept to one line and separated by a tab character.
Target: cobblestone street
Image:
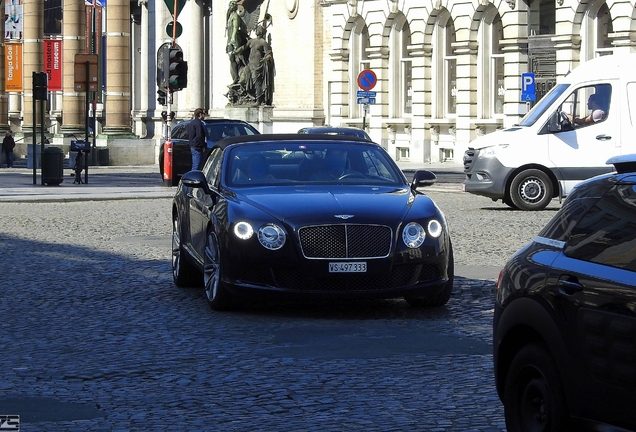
96	336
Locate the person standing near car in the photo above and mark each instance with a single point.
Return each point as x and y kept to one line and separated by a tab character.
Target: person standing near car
196	139
8	144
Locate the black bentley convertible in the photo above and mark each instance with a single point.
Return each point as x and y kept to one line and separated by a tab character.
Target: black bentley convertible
311	216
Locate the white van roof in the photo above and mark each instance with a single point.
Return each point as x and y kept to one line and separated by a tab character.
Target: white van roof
602	67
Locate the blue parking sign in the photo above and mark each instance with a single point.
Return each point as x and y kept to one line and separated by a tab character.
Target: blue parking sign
528	93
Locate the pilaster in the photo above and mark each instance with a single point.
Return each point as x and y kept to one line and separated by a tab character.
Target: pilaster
118	108
32	57
73	102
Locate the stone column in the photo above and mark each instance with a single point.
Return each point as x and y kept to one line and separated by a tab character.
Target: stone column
118	106
466	52
515	49
418	112
73	102
144	83
32	58
193	54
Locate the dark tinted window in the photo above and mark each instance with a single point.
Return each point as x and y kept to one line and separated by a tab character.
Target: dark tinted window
606	234
180	132
218	131
576	205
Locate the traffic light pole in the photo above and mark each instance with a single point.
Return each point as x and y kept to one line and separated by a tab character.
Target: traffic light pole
35	131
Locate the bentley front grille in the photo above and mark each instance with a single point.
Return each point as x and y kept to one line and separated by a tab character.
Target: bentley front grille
345	241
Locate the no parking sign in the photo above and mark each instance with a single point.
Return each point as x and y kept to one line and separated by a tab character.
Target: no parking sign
367	79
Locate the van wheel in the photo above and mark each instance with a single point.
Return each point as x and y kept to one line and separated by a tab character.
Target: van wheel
507	201
531	190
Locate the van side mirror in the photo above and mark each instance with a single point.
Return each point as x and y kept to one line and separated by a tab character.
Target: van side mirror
554	124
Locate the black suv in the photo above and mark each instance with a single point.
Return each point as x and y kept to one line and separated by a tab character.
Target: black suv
215	130
332	130
565	315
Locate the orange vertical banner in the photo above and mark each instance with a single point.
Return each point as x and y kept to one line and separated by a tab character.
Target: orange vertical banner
13	66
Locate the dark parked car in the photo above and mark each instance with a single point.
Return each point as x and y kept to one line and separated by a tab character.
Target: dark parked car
565	315
341	130
215	129
312	216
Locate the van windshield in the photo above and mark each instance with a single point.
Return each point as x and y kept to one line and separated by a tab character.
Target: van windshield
544	104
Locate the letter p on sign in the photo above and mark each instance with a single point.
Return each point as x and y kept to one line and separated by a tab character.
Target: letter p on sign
527	83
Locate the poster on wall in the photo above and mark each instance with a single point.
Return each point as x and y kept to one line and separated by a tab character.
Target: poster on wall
52	17
13	19
13	66
53	63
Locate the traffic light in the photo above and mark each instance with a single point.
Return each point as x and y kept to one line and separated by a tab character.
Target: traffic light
177	70
40	85
161	98
166	117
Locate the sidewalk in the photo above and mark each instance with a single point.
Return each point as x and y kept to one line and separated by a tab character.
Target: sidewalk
122	182
104	183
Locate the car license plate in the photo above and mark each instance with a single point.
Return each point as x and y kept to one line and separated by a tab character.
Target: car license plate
347	267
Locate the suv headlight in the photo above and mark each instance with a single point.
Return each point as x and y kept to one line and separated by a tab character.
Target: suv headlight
492	151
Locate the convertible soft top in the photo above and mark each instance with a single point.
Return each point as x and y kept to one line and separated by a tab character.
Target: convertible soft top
268	138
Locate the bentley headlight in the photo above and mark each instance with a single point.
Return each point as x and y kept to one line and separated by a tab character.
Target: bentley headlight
271	236
243	230
434	228
413	235
492	151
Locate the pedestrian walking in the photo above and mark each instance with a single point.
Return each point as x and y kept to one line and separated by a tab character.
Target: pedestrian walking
196	139
8	144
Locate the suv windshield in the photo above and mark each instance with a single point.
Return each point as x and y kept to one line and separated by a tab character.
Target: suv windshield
544	104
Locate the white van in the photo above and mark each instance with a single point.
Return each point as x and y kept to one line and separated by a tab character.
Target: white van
564	139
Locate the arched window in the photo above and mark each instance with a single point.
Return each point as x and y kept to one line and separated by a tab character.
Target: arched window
444	70
596	26
490	59
542	17
400	72
358	61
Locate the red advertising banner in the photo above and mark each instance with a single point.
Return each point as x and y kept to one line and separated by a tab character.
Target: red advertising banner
53	63
13	66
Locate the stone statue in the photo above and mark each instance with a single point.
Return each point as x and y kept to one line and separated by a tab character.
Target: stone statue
236	37
252	62
258	78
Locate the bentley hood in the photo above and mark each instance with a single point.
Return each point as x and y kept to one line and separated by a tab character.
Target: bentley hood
356	204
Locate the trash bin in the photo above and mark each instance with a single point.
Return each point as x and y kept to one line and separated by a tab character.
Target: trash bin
52	166
102	153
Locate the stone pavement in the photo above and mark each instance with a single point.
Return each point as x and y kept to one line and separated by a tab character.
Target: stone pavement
117	182
104	183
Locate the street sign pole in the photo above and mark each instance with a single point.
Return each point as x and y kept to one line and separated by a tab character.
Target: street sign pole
367	79
364	117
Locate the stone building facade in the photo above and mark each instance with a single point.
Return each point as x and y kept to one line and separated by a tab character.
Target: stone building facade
447	71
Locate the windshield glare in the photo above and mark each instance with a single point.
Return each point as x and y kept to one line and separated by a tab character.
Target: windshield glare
544	104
